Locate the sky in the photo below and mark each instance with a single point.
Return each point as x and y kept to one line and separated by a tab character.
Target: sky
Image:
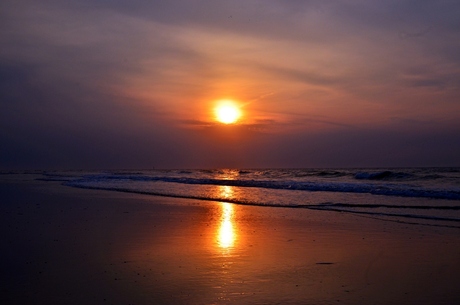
99	84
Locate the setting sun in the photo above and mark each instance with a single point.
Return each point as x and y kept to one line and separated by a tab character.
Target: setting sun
227	112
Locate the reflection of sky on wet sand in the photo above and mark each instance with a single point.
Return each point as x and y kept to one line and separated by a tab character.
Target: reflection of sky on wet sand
222	253
126	249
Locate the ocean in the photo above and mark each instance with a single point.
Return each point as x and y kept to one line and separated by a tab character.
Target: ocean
423	196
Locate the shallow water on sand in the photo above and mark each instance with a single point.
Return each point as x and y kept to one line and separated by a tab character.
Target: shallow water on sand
428	196
73	246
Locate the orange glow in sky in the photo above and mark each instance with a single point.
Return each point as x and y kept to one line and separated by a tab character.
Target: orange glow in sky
296	84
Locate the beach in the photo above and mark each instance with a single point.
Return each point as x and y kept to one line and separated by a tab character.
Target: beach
64	245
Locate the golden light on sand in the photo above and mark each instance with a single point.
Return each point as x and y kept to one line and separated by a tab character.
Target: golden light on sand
226	236
227	112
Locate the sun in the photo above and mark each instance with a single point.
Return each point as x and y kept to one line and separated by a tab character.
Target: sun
227	112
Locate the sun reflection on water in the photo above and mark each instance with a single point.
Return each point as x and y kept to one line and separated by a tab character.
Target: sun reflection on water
226	237
226	191
226	234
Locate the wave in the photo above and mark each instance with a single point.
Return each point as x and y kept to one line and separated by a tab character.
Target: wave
366	209
383	175
399	215
321	173
62	179
343	187
390	206
408	175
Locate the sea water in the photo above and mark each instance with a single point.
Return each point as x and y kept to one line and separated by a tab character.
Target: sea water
428	196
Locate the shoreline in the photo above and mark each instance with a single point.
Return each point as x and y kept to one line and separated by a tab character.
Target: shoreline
74	246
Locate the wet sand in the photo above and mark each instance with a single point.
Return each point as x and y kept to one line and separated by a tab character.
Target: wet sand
61	245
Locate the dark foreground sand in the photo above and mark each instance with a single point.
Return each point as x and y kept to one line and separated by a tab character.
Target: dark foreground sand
61	245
